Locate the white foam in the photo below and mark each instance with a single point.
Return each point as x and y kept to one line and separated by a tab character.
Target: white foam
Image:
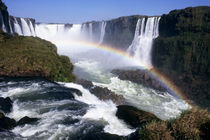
101	110
163	105
16	91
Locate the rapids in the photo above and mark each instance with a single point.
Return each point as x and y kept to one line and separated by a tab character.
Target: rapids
67	110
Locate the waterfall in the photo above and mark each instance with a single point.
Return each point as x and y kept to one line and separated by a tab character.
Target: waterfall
17	27
90	31
146	31
57	33
10	26
31	27
103	27
25	27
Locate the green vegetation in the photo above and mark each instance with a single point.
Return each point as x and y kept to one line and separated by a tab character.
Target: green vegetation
2	6
30	56
184	42
193	124
182	52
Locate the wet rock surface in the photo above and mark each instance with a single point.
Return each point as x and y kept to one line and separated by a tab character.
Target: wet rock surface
5	104
106	94
85	83
102	93
27	120
133	116
6	123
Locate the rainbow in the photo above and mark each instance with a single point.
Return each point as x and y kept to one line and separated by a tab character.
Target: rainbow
164	80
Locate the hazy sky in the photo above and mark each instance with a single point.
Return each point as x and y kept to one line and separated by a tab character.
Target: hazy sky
77	11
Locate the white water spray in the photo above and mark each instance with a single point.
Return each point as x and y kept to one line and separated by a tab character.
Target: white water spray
25	27
17	27
103	27
141	45
90	31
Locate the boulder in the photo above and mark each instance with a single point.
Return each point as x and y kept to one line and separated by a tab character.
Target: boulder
106	94
101	93
6	123
102	136
27	120
133	116
85	83
5	104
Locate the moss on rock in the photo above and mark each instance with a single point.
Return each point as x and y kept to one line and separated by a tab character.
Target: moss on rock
31	56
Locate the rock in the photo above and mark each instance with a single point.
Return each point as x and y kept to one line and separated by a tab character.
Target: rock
120	31
146	76
106	94
6	123
27	120
102	136
5	104
5	16
205	130
85	83
133	116
139	76
101	93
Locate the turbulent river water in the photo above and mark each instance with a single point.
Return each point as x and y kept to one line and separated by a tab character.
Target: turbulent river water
68	111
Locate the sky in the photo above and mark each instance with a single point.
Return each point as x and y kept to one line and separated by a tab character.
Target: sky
78	11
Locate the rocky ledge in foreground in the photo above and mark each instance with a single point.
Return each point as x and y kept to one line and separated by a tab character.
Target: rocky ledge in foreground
101	92
31	56
140	76
133	116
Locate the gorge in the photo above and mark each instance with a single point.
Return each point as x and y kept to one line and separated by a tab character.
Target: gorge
153	44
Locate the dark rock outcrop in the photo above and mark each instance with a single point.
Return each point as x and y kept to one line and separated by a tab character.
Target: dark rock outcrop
102	93
5	104
133	116
4	15
138	76
6	123
27	120
106	94
85	83
102	136
191	19
181	52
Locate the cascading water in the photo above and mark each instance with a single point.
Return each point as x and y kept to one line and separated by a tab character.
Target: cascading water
63	113
90	31
17	27
58	33
142	43
25	27
31	27
103	27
